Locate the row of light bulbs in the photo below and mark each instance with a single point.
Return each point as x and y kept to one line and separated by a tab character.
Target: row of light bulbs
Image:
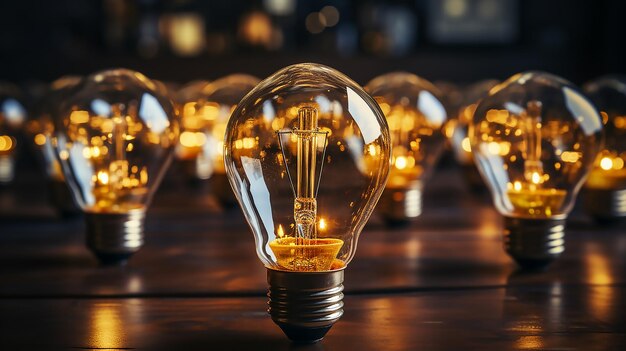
309	153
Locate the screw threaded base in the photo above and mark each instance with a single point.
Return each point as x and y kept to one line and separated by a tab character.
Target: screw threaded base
534	243
114	237
398	206
605	205
305	305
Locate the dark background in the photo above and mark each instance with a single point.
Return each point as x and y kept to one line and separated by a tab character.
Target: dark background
579	40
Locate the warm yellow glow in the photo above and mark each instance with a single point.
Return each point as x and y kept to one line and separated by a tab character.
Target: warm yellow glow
103	177
79	117
40	139
499	148
606	163
106	327
535	178
298	254
517	186
322	224
466	144
536	202
618	163
280	232
401	162
571	156
192	139
6	143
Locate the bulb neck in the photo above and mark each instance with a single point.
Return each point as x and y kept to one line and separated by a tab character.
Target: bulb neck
7	169
605	205
398	206
115	237
62	199
534	243
305	305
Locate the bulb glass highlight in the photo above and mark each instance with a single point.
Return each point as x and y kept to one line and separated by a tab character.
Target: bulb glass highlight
416	118
115	137
535	138
203	121
307	153
609	95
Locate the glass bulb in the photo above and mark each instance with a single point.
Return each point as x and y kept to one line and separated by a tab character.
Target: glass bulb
12	118
605	190
307	154
416	118
203	124
115	137
534	139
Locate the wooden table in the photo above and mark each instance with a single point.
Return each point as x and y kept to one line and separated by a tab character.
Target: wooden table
443	283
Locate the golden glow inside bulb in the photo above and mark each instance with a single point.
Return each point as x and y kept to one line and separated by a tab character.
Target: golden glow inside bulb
307	141
416	119
609	95
534	153
115	146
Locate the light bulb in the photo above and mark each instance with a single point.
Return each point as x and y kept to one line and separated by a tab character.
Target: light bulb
42	133
114	139
307	153
534	139
460	141
416	118
203	123
12	118
605	189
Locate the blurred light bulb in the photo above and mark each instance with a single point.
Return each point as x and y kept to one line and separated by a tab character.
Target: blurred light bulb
115	138
534	118
416	118
12	118
461	145
308	178
605	189
42	132
203	124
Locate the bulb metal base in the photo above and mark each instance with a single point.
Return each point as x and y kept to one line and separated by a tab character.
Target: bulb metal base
7	169
222	190
534	243
62	199
399	206
305	305
115	237
605	205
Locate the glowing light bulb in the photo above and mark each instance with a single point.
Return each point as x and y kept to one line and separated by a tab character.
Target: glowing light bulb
203	123
318	162
12	118
460	142
535	118
42	131
115	137
416	119
605	189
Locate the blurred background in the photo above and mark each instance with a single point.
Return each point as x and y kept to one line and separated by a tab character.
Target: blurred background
182	40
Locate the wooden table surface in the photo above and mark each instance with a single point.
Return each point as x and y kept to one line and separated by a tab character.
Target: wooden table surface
443	283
